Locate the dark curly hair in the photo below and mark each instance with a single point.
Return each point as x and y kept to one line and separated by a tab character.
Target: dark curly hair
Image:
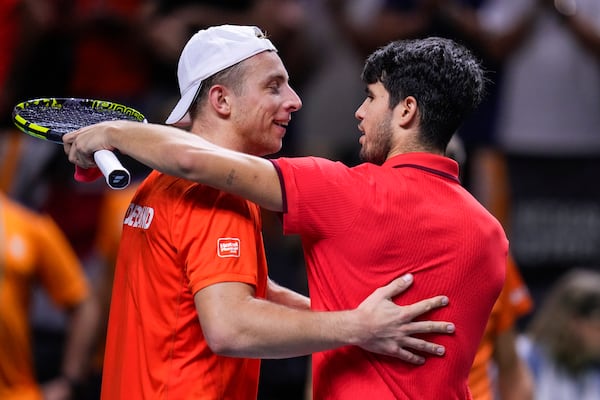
444	77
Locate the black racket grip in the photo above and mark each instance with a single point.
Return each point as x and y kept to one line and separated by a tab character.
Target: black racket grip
117	177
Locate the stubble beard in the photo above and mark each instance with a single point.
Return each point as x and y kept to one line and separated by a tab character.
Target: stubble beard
377	149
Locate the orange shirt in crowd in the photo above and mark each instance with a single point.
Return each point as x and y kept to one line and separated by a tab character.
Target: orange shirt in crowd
32	250
514	302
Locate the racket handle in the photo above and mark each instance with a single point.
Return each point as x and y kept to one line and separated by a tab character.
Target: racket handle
117	177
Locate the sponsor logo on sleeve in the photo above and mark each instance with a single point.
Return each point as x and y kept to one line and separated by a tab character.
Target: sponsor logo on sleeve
228	247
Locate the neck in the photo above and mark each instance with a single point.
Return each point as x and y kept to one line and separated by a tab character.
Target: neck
411	146
219	133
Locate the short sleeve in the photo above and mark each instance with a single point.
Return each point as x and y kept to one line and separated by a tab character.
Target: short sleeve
318	194
218	237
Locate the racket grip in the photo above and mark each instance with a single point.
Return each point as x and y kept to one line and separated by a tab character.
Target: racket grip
117	177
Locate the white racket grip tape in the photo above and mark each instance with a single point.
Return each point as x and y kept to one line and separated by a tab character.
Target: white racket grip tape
117	177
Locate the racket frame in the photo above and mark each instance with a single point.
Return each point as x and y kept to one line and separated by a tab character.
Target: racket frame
117	176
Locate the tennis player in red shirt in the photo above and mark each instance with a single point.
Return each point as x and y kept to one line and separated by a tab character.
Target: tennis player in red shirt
192	308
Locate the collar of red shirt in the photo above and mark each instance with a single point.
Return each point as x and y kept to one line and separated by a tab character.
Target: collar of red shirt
436	164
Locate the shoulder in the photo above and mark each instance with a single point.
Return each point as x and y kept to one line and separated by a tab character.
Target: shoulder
25	221
303	162
17	209
314	167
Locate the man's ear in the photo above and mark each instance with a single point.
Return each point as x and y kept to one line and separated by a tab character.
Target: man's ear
407	112
218	97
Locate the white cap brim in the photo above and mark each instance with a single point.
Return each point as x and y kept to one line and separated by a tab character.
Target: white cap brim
179	116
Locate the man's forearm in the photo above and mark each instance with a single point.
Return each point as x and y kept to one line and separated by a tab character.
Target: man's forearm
282	295
262	329
183	154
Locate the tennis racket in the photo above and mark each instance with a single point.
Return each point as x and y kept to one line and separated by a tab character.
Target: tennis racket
51	118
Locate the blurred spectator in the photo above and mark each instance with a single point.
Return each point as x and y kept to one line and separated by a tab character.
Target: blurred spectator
562	344
547	127
34	251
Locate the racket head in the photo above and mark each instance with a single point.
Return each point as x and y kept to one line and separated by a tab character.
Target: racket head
51	118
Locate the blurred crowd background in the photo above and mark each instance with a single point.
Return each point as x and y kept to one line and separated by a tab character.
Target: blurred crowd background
530	153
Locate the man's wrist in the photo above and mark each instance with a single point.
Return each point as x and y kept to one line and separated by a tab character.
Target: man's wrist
357	333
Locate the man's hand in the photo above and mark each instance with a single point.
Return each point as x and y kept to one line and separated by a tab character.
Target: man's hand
392	326
81	145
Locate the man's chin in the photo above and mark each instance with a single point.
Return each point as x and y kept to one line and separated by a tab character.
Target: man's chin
275	148
362	155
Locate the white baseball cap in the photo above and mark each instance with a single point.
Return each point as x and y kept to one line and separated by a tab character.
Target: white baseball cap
209	51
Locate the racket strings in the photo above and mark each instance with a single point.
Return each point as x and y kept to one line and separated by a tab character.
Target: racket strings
64	120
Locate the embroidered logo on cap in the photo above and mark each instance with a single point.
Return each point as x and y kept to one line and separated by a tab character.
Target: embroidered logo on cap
228	247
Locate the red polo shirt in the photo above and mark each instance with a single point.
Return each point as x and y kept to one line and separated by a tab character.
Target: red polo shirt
362	227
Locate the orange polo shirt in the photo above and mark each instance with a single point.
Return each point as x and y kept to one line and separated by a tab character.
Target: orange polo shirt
178	238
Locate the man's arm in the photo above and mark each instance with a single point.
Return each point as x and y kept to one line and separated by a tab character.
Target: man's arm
81	335
237	324
179	153
63	277
514	377
287	297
